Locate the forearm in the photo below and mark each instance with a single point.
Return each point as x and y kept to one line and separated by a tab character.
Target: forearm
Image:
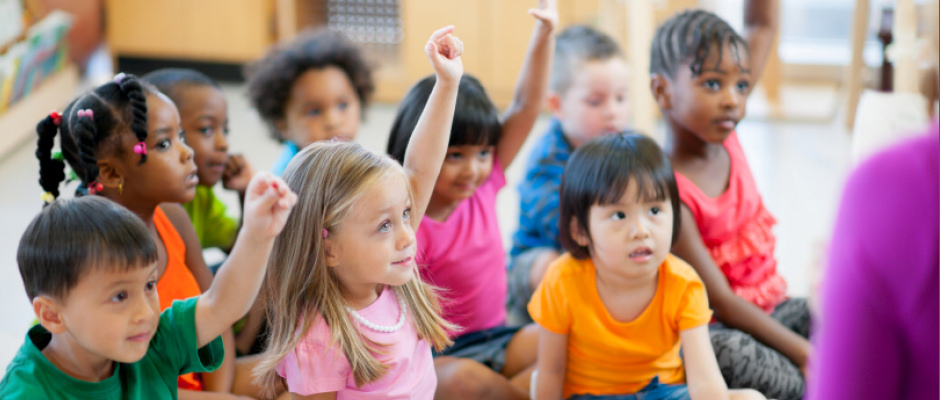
532	84
739	314
428	144
761	23
549	385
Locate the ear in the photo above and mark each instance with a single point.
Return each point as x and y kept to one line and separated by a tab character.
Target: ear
281	125
578	234
330	250
110	172
659	86
49	313
554	104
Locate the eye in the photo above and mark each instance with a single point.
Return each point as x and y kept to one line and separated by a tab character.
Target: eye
744	86
593	102
406	214
206	130
712	84
454	156
343	106
225	130
119	297
618	215
165	144
314	112
385	227
151	285
655	210
484	153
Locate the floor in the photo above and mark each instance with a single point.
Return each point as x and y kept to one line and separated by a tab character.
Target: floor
799	168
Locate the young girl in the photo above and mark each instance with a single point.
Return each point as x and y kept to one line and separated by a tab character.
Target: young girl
315	88
123	141
614	310
459	237
348	318
702	72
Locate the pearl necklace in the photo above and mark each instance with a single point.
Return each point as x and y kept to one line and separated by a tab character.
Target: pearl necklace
377	327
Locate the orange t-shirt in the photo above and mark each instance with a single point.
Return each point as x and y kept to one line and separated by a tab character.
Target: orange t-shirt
177	282
609	357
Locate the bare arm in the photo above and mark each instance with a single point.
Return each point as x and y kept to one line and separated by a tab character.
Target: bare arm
730	309
268	202
428	144
552	363
318	396
761	23
532	85
701	369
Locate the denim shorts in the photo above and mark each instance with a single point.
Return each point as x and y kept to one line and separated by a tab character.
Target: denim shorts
653	391
487	347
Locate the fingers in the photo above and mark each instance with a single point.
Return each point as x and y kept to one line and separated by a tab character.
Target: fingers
438	34
451	46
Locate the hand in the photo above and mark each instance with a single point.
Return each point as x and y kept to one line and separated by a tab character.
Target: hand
547	13
237	174
268	202
444	50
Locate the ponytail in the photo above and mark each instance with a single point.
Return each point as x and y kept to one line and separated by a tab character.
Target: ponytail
131	87
51	169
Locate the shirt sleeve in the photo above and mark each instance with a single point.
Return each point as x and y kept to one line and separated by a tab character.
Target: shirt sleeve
175	341
549	306
693	308
220	228
314	368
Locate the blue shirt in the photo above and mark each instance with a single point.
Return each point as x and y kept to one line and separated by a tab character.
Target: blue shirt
538	192
289	151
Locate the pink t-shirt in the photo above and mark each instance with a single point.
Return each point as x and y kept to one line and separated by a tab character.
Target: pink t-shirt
464	255
736	228
318	366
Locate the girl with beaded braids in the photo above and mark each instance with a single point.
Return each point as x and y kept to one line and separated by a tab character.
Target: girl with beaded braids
702	72
124	142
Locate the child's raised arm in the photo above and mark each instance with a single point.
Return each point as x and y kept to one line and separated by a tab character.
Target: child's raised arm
268	202
532	85
428	144
551	365
761	22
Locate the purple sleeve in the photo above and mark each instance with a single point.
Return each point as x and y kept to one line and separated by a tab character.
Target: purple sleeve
877	333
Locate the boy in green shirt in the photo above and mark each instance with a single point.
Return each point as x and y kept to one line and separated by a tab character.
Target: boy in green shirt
90	269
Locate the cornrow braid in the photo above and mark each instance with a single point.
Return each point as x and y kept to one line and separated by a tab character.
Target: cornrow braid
51	170
688	37
86	136
132	88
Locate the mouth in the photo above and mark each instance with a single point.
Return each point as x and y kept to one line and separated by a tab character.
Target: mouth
192	179
404	262
727	123
140	337
216	166
641	254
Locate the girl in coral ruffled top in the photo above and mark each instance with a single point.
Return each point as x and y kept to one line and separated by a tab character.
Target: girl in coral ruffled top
702	72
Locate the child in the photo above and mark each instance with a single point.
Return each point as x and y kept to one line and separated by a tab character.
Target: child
614	311
90	268
348	318
123	141
460	249
587	98
702	72
204	118
315	88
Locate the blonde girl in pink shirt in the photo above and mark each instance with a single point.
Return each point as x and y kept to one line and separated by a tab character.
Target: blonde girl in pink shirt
348	318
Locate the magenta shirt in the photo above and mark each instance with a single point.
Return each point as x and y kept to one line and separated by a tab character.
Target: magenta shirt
318	366
878	332
464	255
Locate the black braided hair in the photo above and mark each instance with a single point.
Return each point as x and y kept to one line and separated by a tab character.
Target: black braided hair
170	81
688	37
116	108
51	171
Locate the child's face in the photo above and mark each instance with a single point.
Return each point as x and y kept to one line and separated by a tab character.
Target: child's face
169	174
110	315
596	101
322	105
375	244
465	168
710	105
204	118
630	238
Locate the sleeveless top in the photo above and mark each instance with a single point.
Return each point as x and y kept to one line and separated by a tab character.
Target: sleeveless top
736	228
177	282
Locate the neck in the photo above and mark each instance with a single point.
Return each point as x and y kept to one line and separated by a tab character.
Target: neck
362	296
439	210
682	144
76	361
626	282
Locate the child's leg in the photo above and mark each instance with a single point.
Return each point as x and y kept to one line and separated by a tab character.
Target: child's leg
746	363
527	271
244	380
793	313
463	378
745	394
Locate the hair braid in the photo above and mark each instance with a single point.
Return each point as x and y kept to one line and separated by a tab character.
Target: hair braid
688	37
51	171
131	88
86	136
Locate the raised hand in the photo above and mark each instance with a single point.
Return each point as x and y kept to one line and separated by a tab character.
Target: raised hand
444	50
547	12
268	202
237	173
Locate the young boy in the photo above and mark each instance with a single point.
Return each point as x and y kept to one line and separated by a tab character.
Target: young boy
587	98
90	269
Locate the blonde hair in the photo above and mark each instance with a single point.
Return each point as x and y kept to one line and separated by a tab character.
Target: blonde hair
299	287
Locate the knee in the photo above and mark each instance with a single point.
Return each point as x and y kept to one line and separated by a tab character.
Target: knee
463	379
746	394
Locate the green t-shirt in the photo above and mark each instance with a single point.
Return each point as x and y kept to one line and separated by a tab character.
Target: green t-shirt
172	352
213	226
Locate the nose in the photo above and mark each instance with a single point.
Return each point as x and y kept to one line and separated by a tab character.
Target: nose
731	99
406	236
639	230
186	153
220	141
143	309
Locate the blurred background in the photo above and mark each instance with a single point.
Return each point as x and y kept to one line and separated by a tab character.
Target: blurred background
846	76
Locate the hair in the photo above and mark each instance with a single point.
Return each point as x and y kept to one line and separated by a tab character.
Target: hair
599	172
170	81
476	120
71	236
117	108
271	78
299	287
576	45
688	38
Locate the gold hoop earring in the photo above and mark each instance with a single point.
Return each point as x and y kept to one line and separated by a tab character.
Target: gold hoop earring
120	187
